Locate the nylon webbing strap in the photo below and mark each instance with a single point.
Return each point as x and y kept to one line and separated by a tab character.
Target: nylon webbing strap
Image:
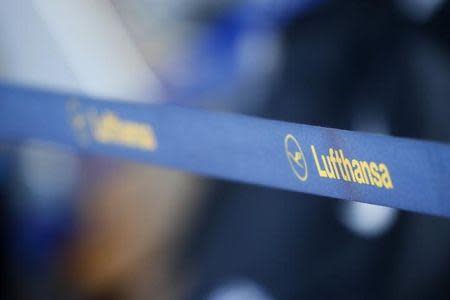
396	172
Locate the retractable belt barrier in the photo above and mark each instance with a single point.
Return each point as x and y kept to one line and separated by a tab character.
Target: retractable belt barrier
396	172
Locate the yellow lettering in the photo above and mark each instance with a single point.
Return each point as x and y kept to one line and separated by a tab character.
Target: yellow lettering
385	176
322	173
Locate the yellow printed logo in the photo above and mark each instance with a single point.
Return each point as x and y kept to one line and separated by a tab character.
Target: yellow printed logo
296	157
335	165
108	128
79	122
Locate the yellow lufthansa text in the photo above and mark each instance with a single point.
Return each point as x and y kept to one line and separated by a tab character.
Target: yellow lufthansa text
335	165
109	128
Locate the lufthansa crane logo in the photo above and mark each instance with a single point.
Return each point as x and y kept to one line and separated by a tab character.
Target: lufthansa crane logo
79	122
296	157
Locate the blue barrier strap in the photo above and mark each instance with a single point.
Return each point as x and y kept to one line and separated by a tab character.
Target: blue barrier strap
396	172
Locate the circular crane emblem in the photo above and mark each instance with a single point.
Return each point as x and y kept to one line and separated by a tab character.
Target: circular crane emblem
296	157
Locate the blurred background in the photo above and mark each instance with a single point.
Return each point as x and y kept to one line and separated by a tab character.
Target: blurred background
83	227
